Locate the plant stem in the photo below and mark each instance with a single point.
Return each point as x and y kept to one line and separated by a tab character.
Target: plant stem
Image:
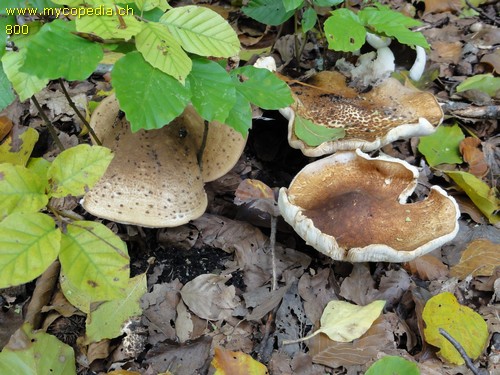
272	245
79	114
48	124
199	155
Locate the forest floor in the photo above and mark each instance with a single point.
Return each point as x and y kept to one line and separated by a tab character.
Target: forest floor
210	281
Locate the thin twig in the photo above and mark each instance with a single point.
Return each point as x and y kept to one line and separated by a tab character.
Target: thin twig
199	155
272	245
481	12
462	352
48	124
79	114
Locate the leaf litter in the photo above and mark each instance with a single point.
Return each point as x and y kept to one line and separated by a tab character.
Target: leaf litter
218	293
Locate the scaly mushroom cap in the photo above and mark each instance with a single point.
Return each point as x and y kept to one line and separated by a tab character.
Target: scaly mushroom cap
371	120
223	148
353	208
154	179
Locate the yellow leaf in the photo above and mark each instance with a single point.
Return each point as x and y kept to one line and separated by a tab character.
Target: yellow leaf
344	322
17	148
462	323
480	258
227	362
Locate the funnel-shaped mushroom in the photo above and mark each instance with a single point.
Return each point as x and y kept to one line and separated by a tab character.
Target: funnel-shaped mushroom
352	207
371	120
154	179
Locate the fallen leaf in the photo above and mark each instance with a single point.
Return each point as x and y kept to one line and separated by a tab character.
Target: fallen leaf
465	325
427	267
479	259
440	6
208	297
393	365
472	155
344	322
442	146
492	59
5	127
480	193
379	338
257	195
227	362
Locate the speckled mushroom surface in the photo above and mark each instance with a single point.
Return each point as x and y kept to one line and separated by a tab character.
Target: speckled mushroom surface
371	120
154	179
352	207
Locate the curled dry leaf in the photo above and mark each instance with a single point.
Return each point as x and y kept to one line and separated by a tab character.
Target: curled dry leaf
427	267
469	148
208	297
479	259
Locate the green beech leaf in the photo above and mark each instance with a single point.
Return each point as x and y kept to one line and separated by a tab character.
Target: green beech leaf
18	148
54	52
75	170
95	260
309	19
314	135
344	31
262	88
161	49
202	31
393	365
21	190
327	3
269	12
109	27
30	243
292	4
108	320
393	24
480	193
77	297
6	94
150	105
212	90
486	83
26	85
442	146
240	116
37	352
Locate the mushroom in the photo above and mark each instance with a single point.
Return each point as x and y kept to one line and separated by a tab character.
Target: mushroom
352	207
371	120
154	179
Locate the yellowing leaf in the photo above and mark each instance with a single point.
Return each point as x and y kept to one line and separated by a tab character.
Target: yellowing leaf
227	362
462	323
344	322
479	259
480	193
17	148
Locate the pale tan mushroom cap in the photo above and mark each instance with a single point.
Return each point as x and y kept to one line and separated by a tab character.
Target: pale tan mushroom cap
223	148
352	207
154	179
371	120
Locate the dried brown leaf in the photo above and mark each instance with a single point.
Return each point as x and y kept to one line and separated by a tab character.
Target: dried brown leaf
379	338
479	259
472	155
316	291
440	6
5	127
208	297
427	267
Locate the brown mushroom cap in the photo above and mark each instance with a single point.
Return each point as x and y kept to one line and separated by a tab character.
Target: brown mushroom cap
371	120
154	179
223	148
352	207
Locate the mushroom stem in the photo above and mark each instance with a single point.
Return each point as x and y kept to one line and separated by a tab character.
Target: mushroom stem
384	63
418	66
199	155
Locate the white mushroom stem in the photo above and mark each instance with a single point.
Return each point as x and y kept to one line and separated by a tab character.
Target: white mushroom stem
384	64
418	66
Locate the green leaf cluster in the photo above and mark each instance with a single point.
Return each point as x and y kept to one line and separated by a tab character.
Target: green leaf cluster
166	61
344	30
